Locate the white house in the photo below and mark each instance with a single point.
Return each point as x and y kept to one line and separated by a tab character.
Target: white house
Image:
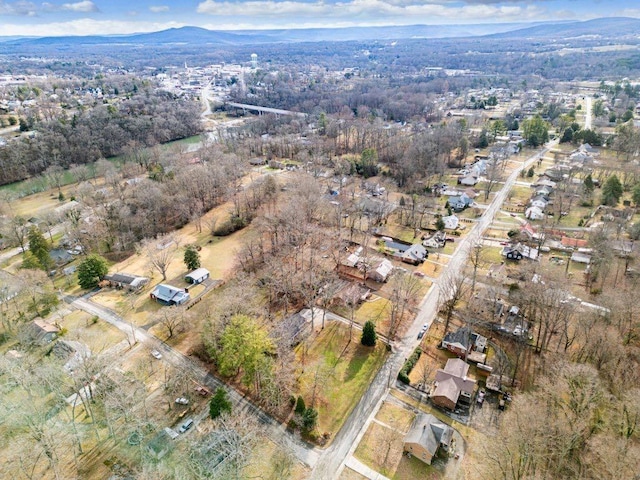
534	213
169	295
381	272
539	202
199	275
450	222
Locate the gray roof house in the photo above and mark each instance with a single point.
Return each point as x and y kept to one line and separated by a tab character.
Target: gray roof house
126	280
426	436
169	295
415	254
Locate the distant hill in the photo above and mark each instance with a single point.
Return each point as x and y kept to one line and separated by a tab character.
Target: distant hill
604	27
197	35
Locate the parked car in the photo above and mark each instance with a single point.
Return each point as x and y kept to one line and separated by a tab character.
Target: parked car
480	398
182	401
156	354
186	425
202	391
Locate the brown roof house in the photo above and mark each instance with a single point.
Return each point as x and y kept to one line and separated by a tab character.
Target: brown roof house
43	332
426	436
452	386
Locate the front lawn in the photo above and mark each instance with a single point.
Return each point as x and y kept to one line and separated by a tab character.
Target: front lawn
339	370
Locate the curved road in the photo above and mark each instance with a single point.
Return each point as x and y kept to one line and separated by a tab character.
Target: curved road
332	460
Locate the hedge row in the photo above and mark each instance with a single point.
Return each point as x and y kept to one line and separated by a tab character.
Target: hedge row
403	375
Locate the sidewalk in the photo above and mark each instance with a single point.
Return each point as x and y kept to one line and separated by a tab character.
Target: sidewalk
362	469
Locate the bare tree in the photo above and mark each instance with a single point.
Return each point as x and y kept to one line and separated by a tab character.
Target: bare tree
453	288
172	319
161	252
405	292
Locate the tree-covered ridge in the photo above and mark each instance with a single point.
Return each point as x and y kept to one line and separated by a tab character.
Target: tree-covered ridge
105	130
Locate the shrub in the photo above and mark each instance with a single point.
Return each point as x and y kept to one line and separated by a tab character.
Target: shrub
219	404
300	406
403	376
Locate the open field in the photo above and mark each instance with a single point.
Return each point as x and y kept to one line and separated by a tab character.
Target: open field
338	371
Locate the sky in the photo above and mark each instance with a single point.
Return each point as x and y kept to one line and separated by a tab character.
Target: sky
106	17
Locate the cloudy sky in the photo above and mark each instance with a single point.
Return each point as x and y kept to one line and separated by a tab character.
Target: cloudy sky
85	17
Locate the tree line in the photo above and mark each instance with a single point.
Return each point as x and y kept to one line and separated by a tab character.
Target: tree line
103	131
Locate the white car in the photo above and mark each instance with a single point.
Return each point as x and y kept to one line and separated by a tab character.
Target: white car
156	354
182	401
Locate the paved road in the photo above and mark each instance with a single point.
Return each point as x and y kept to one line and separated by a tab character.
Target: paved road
332	461
304	452
588	115
12	252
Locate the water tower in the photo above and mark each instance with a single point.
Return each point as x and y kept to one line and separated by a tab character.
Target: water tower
254	60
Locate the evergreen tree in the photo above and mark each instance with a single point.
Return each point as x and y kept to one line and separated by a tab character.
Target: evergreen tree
439	224
300	406
219	404
191	257
309	419
39	248
588	186
91	270
369	335
611	191
635	194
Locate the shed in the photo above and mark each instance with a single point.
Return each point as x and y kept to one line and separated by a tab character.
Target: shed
199	275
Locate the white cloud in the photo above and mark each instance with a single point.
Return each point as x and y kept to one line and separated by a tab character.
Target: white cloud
362	11
21	7
159	8
84	6
88	26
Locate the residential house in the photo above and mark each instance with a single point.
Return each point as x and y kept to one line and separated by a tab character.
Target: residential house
544	181
586	148
466	344
461	202
415	254
294	328
452	386
539	201
528	231
574	242
451	222
257	161
581	256
381	272
543	191
199	275
519	251
43	332
534	213
169	295
127	281
470	179
426	437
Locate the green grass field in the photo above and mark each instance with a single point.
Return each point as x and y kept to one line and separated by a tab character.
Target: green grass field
344	370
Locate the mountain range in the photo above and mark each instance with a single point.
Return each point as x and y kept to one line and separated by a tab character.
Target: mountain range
602	27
